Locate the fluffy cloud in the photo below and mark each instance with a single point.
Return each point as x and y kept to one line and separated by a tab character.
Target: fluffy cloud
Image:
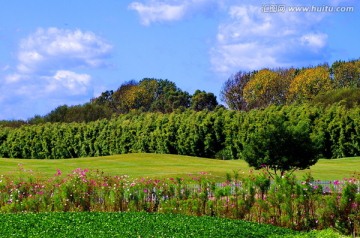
47	68
170	10
251	39
68	81
248	38
51	48
313	40
157	12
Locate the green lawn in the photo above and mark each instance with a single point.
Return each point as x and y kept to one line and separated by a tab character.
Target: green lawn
160	165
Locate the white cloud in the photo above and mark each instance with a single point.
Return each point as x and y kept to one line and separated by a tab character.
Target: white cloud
171	10
314	40
50	48
158	12
250	39
47	71
71	82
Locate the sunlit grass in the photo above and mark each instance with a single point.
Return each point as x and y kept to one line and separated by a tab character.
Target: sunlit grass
160	165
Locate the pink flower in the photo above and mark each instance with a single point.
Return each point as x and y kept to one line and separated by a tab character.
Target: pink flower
336	182
58	172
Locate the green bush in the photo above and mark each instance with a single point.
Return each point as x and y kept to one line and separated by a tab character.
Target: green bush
334	132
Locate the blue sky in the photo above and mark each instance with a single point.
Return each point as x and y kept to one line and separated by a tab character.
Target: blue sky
66	52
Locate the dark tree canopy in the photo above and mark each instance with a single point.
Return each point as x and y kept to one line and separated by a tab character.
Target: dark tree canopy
202	100
232	91
278	146
148	95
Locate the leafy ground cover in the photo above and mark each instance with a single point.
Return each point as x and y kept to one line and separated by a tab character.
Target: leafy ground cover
163	166
138	225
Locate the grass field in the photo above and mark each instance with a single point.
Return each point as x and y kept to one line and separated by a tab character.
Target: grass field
160	165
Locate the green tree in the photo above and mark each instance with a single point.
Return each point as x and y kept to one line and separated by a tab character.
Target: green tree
348	97
202	100
58	114
278	146
166	96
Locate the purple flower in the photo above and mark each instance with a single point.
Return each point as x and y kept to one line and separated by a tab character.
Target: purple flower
58	172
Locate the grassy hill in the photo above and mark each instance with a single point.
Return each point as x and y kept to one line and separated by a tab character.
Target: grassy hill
161	165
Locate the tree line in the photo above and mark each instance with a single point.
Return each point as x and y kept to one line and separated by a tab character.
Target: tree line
259	89
244	91
291	131
148	95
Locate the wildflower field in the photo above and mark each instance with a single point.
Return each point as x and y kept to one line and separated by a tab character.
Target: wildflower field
298	203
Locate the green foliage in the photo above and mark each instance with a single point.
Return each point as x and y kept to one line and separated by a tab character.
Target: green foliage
80	113
348	97
292	132
278	144
148	95
130	225
202	100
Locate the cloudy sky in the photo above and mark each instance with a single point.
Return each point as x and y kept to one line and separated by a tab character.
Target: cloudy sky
66	52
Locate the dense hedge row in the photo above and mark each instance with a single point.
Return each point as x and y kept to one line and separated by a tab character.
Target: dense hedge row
218	134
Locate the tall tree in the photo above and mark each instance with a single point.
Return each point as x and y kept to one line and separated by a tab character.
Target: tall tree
278	146
309	83
346	74
202	100
164	95
232	92
268	87
58	114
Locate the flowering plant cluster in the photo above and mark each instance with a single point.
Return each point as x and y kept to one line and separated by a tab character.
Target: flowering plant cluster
283	201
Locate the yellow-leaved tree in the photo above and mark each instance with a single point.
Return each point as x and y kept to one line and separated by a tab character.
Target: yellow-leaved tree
268	87
310	82
346	74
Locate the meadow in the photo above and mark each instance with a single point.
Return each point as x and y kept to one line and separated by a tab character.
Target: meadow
164	166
